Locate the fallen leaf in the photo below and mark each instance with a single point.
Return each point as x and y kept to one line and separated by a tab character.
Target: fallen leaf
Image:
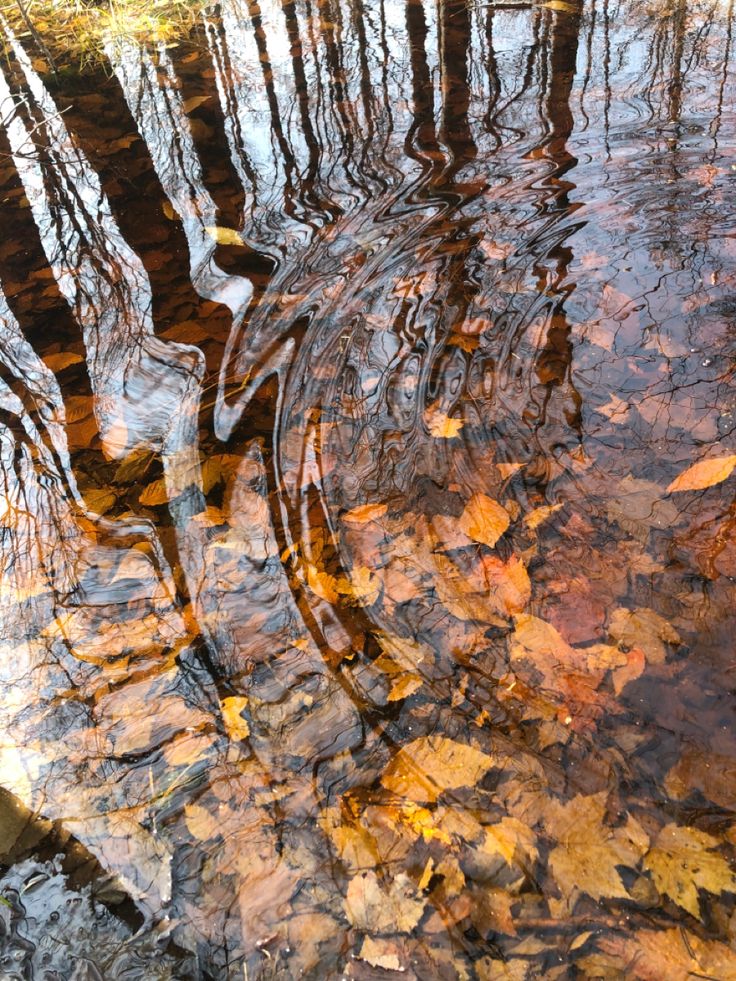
484	520
380	953
535	518
225	236
383	908
364	513
236	726
509	838
645	629
704	474
442	426
202	824
62	360
674	955
587	851
426	767
682	861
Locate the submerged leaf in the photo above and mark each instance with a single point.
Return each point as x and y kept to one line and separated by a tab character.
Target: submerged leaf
225	236
430	765
682	861
484	520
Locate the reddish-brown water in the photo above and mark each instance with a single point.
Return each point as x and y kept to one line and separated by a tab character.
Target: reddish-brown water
352	626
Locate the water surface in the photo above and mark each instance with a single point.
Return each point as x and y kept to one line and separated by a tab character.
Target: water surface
348	352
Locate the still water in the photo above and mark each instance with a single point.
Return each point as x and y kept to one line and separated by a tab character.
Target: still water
351	627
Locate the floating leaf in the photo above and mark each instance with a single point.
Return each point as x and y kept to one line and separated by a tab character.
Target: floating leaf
704	474
224	236
430	765
682	861
484	520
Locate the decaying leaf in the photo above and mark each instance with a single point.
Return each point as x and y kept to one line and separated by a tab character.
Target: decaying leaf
484	520
705	473
638	508
674	955
644	629
430	765
378	907
682	860
380	953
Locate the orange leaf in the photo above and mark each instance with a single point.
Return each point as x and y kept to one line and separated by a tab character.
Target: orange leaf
484	520
704	474
364	513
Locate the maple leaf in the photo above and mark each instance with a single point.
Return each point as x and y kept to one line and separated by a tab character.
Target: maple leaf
508	838
682	861
443	426
375	908
587	851
705	473
484	520
426	767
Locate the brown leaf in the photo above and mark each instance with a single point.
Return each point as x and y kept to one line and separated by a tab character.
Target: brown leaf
645	629
674	955
364	513
383	908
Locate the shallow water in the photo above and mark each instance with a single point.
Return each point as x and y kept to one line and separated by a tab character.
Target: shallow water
350	626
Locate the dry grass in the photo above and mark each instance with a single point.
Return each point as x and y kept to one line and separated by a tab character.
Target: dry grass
72	33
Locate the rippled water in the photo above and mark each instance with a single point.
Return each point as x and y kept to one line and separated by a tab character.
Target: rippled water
347	353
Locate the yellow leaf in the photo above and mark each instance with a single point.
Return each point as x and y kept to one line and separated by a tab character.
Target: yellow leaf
508	469
224	236
704	474
169	211
403	686
509	836
236	725
560	5
194	102
362	588
364	513
535	518
588	851
322	584
201	823
484	520
682	861
57	362
442	426
426	767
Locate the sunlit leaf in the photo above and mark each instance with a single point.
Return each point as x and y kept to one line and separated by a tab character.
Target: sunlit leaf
430	765
509	837
224	236
536	517
682	861
704	474
484	520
